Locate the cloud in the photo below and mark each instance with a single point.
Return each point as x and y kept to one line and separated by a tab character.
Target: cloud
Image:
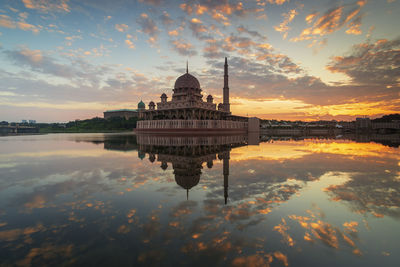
275	76
198	29
121	27
220	18
220	11
46	6
39	62
283	27
166	19
7	22
277	2
310	17
148	27
152	2
333	20
173	33
371	63
183	48
243	29
354	26
213	50
130	44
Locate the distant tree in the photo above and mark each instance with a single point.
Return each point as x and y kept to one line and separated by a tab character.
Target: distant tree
387	118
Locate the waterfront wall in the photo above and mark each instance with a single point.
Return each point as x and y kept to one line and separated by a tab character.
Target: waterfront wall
190	125
9	130
301	131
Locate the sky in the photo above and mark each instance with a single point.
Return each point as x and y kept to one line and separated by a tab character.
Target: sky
62	60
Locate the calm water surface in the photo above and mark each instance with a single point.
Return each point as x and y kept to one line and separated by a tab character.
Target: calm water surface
122	200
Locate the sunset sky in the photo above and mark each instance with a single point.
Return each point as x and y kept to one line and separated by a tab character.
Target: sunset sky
63	60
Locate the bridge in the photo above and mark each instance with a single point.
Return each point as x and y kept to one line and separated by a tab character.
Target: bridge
386	125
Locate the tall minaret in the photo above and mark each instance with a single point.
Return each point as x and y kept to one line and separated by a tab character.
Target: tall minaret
227	107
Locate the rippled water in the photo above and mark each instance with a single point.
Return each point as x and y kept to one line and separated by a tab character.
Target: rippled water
126	200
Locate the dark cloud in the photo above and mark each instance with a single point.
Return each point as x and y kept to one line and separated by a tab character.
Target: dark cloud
275	75
79	70
371	63
166	19
199	30
149	27
243	29
183	48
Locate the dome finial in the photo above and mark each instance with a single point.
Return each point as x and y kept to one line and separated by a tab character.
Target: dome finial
187	66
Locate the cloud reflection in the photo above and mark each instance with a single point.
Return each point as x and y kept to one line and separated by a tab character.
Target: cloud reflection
65	199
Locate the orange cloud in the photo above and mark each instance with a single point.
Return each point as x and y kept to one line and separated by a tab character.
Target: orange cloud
310	17
173	33
201	9
333	20
283	27
6	22
121	27
130	44
282	228
196	20
282	257
252	260
183	48
47	5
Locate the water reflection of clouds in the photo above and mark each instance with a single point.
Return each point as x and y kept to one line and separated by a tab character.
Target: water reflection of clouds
83	189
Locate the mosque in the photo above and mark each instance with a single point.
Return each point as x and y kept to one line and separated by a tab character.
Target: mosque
187	112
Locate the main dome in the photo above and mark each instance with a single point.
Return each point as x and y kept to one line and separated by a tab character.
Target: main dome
187	81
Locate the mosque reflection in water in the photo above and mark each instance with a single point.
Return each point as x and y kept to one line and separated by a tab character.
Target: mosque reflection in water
186	155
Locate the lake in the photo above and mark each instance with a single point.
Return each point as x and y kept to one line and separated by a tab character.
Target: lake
127	200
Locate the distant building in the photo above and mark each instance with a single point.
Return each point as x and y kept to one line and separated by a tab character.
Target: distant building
125	113
24	121
32	121
363	123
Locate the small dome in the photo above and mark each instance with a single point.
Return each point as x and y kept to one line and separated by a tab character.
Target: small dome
187	81
141	155
209	96
151	103
141	104
164	165
163	95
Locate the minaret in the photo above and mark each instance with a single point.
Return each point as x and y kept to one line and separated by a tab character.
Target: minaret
227	107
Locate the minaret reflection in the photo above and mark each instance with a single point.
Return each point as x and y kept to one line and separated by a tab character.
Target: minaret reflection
225	157
187	155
